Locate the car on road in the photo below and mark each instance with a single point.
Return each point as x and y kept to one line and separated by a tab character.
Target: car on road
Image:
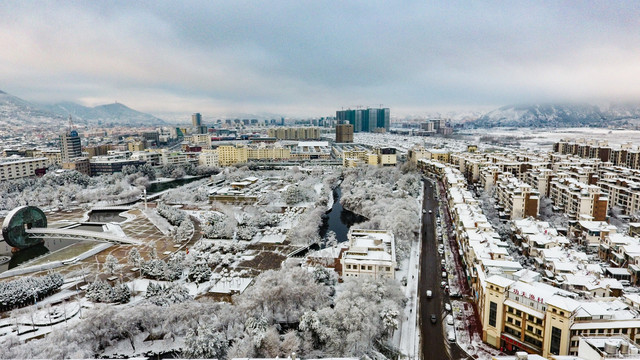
447	307
443	284
424	211
444	274
429	294
451	335
441	251
449	319
443	261
430	212
434	319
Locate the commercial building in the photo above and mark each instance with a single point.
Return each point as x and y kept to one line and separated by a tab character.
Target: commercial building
344	133
106	165
70	146
546	320
16	168
196	120
370	253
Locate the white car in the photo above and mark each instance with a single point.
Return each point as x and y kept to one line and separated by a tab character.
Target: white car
449	320
451	335
447	307
429	294
444	274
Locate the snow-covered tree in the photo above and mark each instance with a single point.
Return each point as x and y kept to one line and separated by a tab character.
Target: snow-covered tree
134	258
205	343
111	264
199	272
184	231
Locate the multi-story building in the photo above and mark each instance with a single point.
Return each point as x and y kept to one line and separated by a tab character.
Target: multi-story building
70	146
53	155
370	253
97	150
517	198
196	120
209	158
106	165
416	153
578	200
295	133
173	158
80	165
16	168
366	120
546	320
623	191
344	133
540	179
136	146
203	140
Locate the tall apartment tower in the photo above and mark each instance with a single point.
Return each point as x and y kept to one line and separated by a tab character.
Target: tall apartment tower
70	145
196	120
367	120
344	133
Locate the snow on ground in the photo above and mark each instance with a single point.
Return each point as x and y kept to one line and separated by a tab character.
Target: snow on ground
143	347
461	311
407	337
158	221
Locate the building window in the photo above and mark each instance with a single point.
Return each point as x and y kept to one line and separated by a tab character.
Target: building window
556	336
348	266
493	312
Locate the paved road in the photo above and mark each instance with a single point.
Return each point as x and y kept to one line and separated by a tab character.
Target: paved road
433	342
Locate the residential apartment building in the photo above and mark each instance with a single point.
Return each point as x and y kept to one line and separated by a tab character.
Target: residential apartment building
209	158
366	120
546	320
518	199
16	168
578	200
344	133
370	253
295	133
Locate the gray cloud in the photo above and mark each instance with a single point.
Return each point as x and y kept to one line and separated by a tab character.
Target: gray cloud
307	58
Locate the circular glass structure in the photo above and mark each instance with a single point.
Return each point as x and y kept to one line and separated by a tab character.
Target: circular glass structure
15	225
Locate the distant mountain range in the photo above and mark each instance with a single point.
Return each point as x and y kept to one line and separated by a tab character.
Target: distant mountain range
18	112
560	115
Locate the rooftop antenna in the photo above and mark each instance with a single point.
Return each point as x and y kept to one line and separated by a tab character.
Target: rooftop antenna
70	123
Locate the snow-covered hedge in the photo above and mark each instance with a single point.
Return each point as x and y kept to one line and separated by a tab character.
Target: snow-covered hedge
26	290
101	291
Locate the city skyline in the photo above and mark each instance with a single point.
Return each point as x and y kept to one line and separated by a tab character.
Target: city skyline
307	59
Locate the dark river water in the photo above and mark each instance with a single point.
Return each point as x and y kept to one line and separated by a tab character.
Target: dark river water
339	219
162	186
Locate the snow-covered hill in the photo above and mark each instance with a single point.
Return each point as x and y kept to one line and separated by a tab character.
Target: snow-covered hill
552	115
560	115
18	112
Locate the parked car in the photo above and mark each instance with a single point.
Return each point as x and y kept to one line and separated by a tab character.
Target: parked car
434	319
443	284
447	307
424	211
451	335
449	319
444	274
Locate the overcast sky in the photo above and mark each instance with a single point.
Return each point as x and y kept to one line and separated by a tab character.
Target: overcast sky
309	58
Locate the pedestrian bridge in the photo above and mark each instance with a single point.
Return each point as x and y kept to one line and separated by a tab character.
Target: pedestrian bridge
80	235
